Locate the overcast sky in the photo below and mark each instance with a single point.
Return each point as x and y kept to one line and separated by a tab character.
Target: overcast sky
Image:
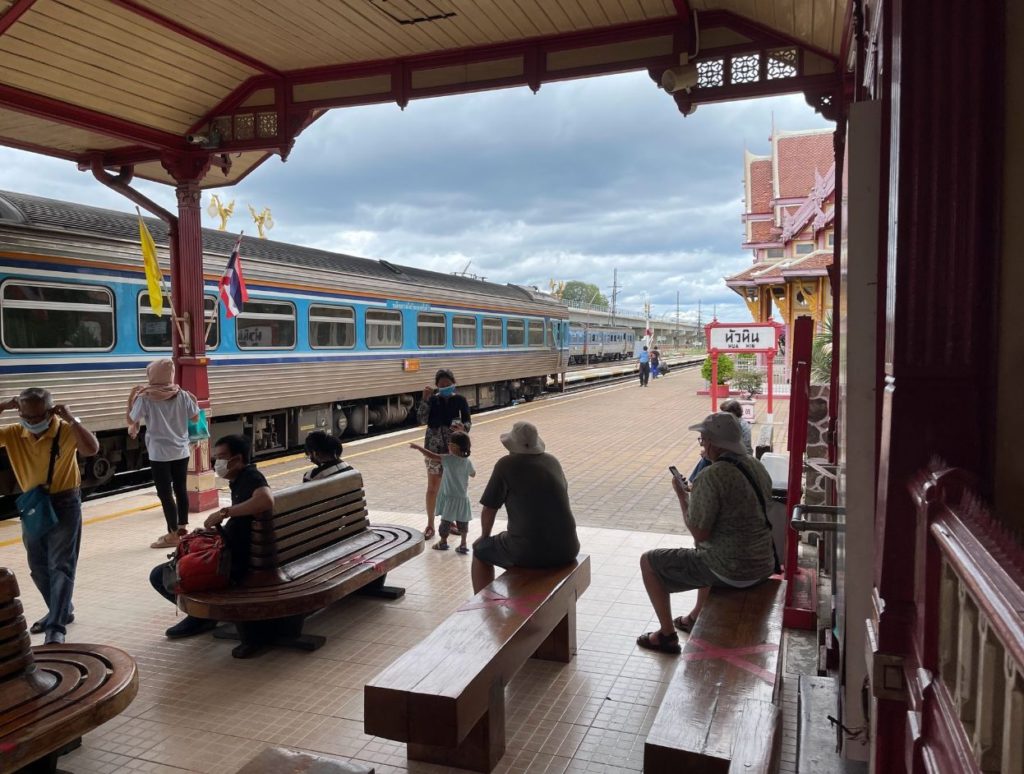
569	183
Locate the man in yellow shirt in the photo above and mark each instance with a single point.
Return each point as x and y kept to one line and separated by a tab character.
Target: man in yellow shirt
52	557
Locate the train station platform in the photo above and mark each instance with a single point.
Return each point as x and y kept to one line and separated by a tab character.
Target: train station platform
200	710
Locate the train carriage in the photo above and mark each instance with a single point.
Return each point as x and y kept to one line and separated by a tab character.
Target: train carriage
325	341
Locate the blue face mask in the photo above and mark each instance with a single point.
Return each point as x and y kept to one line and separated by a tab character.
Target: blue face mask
38	427
447	392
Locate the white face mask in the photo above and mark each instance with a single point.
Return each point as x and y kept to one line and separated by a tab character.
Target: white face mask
220	467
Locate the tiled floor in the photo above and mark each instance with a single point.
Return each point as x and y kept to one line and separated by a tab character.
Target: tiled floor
200	710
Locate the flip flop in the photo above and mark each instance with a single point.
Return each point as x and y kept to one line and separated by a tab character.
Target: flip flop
462	550
685	623
440	546
40	626
665	643
428	533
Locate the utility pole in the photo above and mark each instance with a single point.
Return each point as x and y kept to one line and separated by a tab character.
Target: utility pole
615	291
698	319
677	318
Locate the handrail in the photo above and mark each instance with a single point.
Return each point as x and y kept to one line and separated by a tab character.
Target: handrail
802	524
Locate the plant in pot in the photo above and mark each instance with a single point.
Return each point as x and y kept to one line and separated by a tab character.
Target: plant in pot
749	383
726	369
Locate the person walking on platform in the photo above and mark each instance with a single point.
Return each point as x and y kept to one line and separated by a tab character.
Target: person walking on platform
42	450
655	361
531	486
444	412
645	367
165	409
453	499
726	516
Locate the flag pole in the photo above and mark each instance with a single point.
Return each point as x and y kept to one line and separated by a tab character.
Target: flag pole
164	291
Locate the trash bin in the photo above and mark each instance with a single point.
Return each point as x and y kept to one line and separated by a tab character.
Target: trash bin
777	466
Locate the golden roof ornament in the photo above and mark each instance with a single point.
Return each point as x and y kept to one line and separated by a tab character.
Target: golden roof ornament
218	210
263	220
557	288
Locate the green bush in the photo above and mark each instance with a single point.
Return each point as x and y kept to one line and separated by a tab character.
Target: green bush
749	382
726	368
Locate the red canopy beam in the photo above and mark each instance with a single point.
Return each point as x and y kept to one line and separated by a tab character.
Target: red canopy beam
40	106
14	13
194	36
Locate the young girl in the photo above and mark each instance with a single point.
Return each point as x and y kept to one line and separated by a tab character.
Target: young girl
453	504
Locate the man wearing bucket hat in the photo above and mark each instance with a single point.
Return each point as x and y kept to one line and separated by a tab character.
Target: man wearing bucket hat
726	517
532	487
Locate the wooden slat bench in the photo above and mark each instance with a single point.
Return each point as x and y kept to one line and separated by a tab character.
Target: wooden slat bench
51	695
316	548
445	697
727	677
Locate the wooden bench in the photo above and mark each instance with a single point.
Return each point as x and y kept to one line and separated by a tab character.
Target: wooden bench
316	548
51	695
726	680
445	697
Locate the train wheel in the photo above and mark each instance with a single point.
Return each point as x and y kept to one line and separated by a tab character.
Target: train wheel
100	470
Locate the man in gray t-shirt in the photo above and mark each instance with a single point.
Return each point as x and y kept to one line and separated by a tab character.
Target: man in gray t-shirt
532	487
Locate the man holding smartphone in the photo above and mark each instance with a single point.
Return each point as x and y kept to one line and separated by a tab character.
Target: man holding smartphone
725	514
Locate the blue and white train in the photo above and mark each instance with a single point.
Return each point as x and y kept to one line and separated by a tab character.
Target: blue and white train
326	341
600	344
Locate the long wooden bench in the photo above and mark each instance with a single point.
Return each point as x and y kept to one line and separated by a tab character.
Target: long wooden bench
726	680
445	697
316	548
51	695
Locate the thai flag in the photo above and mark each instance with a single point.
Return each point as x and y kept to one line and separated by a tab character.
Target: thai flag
232	284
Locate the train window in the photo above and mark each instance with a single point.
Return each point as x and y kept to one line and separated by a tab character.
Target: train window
383	329
266	325
535	333
492	332
155	332
516	332
430	330
332	327
41	317
464	331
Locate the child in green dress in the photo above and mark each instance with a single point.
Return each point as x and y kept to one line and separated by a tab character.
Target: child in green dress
453	504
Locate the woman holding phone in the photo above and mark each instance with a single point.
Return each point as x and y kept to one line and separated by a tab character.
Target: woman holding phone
444	412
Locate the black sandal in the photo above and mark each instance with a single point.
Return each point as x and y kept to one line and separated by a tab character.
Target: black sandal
685	623
665	643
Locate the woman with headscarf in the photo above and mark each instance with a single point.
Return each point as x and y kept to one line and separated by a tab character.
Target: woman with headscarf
165	409
444	411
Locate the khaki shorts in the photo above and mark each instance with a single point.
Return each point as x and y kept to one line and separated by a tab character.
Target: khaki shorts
681	569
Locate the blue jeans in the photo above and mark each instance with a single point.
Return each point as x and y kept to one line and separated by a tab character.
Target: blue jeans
53	559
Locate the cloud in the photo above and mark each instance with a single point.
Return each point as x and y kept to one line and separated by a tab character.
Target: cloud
576	181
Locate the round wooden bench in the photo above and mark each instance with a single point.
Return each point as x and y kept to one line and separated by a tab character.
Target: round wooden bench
51	695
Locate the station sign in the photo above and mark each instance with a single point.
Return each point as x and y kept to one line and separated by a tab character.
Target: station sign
754	337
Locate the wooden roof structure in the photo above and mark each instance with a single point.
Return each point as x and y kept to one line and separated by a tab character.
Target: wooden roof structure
115	83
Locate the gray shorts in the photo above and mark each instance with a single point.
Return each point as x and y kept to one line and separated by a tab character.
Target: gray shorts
492	551
681	569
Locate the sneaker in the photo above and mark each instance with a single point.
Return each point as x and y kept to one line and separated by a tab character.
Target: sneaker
189	626
54	637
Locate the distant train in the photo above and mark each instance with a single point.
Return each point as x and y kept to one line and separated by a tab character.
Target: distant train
600	343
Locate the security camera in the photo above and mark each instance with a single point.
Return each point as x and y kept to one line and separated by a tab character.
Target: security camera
196	139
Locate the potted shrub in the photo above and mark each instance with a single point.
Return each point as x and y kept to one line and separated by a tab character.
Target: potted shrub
726	369
748	382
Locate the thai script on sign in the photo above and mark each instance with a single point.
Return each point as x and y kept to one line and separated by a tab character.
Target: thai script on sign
743	337
414	305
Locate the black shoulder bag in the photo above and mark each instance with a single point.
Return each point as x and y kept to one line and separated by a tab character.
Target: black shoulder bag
37	514
764	508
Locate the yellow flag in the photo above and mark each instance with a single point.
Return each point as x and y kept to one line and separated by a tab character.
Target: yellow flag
154	277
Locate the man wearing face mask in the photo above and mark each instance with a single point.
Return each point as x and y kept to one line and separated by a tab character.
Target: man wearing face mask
250	496
52	557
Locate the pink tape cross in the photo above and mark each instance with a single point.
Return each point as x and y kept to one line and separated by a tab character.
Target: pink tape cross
523	605
375	566
732	656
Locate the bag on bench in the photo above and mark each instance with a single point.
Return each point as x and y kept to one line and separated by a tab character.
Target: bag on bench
201	563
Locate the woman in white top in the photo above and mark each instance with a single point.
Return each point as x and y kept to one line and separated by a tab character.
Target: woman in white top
165	409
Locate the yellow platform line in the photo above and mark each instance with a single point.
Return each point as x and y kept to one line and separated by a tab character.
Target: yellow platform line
284	460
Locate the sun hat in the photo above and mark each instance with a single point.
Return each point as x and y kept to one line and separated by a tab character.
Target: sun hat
523	439
722	430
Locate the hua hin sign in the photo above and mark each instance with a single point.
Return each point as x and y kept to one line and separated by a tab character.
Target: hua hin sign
762	338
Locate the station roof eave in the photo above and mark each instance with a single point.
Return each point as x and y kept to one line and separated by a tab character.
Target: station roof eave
134	82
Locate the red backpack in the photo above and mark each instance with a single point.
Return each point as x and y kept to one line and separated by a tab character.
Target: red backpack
201	563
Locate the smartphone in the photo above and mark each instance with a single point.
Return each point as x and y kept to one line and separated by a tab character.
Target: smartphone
675	472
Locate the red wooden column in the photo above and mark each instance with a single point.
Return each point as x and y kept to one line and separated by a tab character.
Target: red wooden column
187	295
943	61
